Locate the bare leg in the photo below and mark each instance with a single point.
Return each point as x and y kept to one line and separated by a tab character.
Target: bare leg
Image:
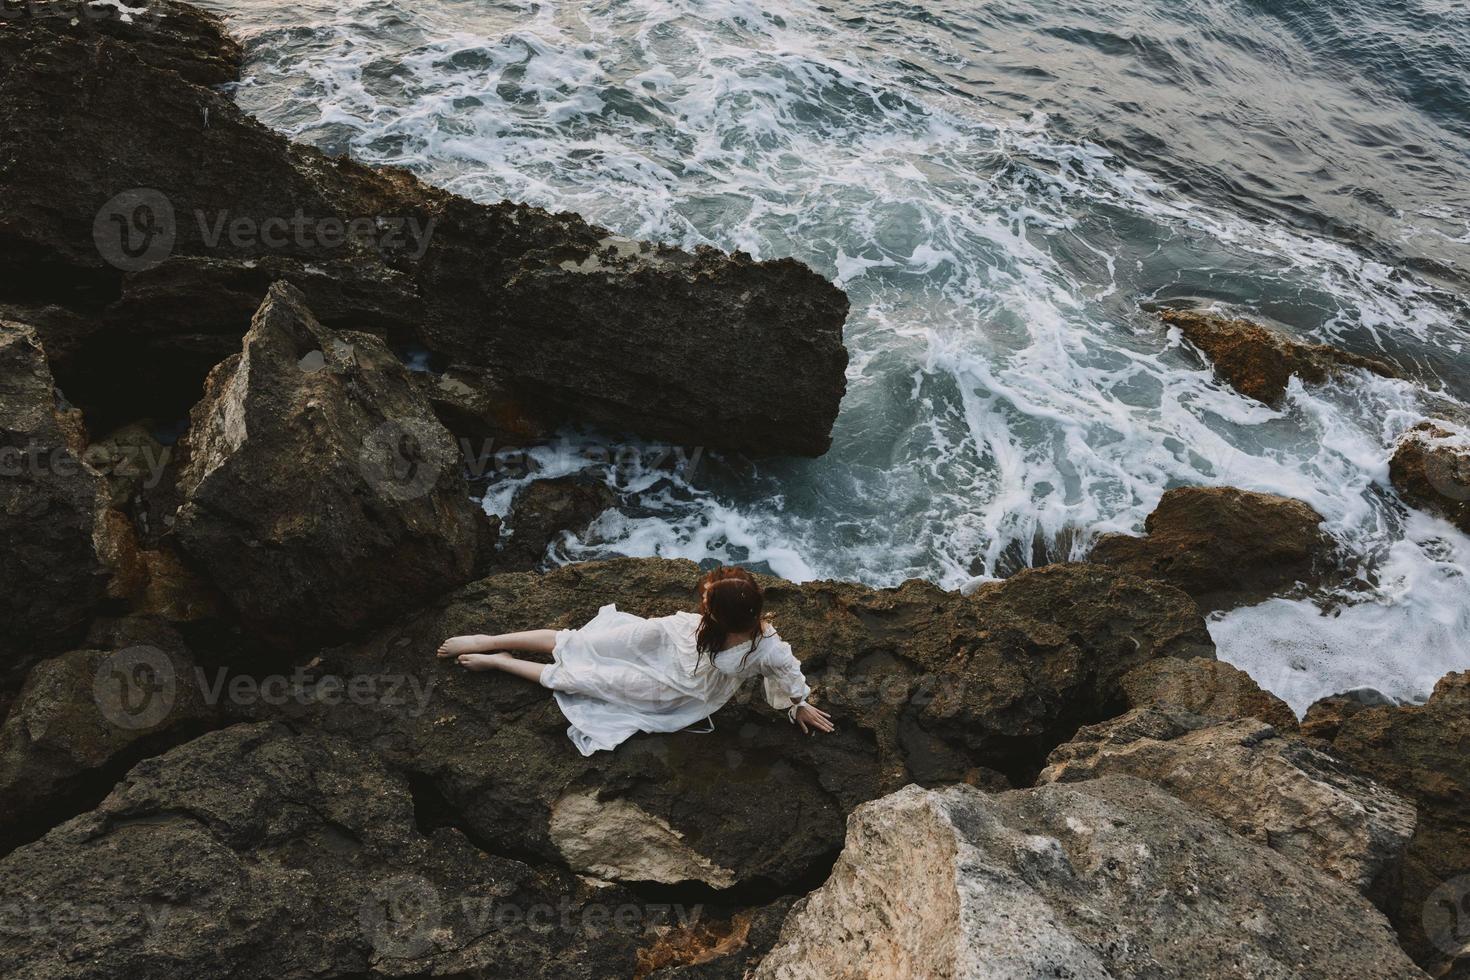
527	669
531	641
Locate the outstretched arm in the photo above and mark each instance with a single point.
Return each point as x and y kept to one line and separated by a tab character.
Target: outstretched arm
786	687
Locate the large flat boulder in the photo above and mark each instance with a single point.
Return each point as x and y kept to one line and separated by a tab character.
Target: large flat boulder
1225	547
168	237
255	852
1278	790
52	579
1110	878
321	493
1423	752
1259	361
924	684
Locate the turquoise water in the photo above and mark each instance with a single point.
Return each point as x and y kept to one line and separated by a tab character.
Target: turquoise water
1002	189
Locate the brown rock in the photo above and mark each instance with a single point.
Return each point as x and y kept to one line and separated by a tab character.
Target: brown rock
1423	752
1431	469
1225	547
52	580
1272	788
1111	877
256	852
1258	361
1211	688
1325	716
82	719
321	495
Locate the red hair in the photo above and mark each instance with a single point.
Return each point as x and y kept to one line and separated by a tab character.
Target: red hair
730	601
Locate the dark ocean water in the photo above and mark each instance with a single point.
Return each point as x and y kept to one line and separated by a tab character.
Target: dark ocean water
1003	189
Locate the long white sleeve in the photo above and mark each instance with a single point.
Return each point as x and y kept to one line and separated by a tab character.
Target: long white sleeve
785	684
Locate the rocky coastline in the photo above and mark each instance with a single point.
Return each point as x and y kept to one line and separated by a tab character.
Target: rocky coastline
226	749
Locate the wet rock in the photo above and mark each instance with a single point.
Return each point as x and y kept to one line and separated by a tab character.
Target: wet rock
1423	752
1258	361
1106	878
713	948
198	209
1431	469
923	683
83	718
543	511
1225	547
169	36
1211	688
52	579
1030	659
1325	716
480	408
1274	789
321	494
256	852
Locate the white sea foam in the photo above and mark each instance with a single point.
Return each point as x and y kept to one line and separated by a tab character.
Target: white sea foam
1007	400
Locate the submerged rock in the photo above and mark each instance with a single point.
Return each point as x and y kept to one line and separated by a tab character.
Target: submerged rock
1423	752
1274	789
1225	547
1258	362
257	852
198	209
1106	878
321	494
52	579
1431	469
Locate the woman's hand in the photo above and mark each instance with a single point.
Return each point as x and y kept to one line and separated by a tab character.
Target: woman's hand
813	720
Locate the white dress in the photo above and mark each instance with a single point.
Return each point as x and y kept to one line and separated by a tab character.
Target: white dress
622	674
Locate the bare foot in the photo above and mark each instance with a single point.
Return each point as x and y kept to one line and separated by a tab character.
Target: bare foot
483	661
458	645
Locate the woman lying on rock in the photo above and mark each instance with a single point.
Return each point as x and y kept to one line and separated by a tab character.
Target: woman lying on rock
622	673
